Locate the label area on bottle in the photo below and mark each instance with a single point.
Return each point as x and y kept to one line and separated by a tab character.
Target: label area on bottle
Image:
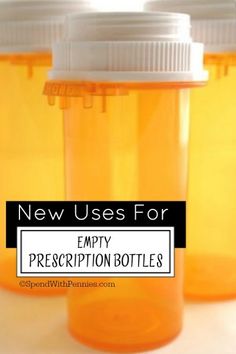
96	239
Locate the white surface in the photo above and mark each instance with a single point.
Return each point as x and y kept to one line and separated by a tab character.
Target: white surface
118	5
38	326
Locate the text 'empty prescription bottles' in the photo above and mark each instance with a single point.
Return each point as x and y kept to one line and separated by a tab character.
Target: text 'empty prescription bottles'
123	83
31	135
211	243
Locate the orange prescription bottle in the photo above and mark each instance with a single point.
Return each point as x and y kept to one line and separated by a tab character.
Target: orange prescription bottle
31	135
211	250
123	83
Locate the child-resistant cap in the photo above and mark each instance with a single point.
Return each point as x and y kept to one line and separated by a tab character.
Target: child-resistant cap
132	46
213	21
33	25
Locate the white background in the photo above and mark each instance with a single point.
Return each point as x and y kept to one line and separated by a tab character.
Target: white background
118	5
31	325
39	240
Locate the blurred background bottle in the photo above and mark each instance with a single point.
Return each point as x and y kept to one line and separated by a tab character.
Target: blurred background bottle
31	134
211	250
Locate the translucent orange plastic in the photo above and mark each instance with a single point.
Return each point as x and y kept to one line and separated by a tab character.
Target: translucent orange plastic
126	142
211	251
31	150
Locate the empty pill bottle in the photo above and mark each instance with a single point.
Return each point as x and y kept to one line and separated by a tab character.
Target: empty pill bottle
31	134
123	80
211	250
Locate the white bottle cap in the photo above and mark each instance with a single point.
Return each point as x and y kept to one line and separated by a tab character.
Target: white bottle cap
128	47
32	25
213	21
